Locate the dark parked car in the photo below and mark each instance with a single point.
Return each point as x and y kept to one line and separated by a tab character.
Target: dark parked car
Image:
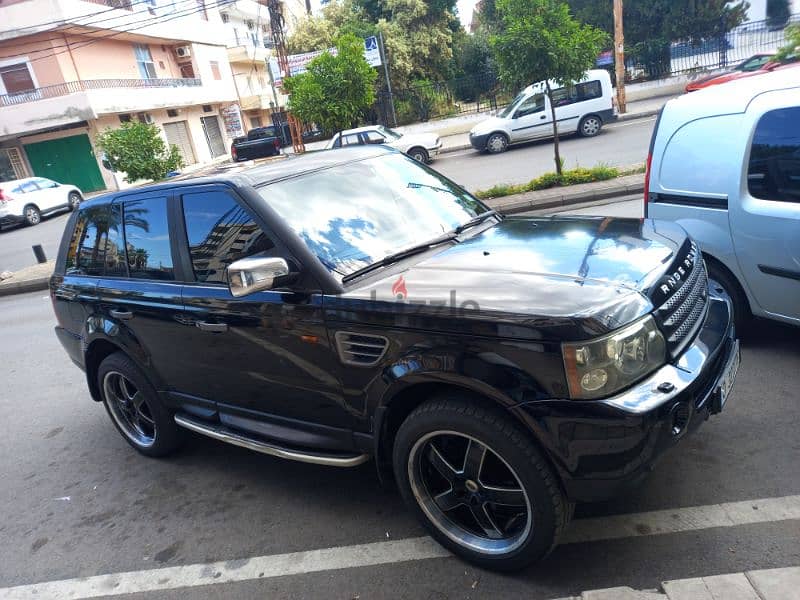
355	304
259	143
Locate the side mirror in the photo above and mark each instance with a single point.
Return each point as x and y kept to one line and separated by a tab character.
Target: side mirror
255	274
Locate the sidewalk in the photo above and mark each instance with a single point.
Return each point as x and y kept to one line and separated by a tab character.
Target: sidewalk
29	279
769	584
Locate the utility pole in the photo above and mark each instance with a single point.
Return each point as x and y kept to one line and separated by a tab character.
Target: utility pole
388	83
619	56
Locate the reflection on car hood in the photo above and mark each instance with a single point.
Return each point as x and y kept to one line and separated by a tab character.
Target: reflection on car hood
427	140
581	277
489	125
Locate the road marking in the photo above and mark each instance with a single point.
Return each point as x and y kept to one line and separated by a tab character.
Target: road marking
729	514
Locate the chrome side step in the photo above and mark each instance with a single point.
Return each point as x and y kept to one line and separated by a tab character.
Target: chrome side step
222	433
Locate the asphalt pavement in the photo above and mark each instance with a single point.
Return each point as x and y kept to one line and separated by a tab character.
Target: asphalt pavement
619	144
16	241
77	501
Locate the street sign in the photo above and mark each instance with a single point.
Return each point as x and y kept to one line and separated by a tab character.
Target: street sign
299	62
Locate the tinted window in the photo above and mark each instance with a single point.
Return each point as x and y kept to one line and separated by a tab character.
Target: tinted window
220	232
24	188
774	170
588	90
96	247
531	105
147	239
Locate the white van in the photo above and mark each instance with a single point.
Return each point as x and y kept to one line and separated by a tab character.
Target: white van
724	163
582	107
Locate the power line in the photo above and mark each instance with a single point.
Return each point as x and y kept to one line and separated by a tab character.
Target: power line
148	18
95	39
63	21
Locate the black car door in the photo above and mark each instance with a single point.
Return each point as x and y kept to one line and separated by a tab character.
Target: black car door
137	292
264	359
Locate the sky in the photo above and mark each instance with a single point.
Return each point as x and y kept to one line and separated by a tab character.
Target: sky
465	11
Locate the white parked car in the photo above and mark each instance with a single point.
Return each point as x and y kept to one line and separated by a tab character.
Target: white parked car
419	146
582	108
724	163
26	200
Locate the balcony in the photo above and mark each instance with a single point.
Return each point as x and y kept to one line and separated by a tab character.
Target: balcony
76	101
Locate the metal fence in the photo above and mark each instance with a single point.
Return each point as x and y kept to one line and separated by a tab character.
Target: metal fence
71	87
654	59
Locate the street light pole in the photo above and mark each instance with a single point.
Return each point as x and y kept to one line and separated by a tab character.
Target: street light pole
619	56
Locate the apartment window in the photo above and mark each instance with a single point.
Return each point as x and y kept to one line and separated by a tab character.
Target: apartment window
255	121
208	108
215	70
171	112
124	118
17	78
147	69
225	17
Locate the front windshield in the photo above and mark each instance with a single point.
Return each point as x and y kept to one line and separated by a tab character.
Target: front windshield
357	213
389	134
506	112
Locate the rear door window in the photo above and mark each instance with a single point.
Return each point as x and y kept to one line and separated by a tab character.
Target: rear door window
219	232
774	169
147	239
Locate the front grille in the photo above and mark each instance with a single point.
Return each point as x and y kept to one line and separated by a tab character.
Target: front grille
686	303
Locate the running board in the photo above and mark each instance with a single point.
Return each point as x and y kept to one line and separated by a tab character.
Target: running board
223	434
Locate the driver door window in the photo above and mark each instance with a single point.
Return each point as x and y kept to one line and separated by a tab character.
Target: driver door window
531	105
531	119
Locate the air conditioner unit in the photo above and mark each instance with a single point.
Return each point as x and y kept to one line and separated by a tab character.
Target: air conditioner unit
183	51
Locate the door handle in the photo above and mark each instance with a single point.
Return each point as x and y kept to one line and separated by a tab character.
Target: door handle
543	117
212	327
124	315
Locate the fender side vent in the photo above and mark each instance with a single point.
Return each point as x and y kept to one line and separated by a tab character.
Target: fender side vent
359	349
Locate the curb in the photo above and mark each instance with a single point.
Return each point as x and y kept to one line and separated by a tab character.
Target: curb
620	118
567	198
22	287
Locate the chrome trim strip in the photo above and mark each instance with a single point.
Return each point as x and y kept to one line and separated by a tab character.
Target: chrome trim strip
231	437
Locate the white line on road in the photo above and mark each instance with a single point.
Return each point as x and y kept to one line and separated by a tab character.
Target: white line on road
730	514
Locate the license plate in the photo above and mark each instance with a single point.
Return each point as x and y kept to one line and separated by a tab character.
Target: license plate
729	375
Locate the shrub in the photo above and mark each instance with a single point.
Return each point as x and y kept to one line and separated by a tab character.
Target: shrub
138	150
550	180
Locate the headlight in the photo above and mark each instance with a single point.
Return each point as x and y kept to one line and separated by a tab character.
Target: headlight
603	366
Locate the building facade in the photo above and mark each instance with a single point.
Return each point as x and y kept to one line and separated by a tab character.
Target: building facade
71	68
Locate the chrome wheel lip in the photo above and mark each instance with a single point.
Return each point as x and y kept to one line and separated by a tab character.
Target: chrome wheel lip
123	414
591	126
451	529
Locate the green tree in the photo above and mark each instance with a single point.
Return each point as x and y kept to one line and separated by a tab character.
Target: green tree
652	25
778	13
792	47
474	65
540	41
138	150
335	90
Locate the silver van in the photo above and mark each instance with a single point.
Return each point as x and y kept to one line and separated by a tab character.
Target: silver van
724	163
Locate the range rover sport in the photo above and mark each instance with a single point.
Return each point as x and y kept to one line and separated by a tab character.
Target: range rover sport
356	305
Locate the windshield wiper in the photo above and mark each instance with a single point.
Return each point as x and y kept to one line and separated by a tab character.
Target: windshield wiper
393	258
476	221
416	186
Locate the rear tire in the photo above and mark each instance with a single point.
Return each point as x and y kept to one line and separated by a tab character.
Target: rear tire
134	407
590	126
718	276
479	484
32	215
74	200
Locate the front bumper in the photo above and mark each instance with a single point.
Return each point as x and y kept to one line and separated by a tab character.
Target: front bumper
603	447
478	141
10	219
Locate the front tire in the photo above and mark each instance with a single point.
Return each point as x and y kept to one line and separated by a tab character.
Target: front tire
590	126
74	200
32	215
479	484
134	407
419	155
497	143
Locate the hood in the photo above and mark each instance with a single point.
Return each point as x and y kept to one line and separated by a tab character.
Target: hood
559	278
489	125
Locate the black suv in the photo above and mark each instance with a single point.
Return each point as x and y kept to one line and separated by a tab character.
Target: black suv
356	304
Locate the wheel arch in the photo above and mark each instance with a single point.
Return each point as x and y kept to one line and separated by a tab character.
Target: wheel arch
411	150
742	291
398	406
101	347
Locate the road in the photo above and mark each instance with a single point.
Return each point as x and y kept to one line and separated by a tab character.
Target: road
77	501
16	242
618	144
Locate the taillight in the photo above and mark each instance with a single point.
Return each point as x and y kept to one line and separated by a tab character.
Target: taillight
276	142
3	198
234	155
647	181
